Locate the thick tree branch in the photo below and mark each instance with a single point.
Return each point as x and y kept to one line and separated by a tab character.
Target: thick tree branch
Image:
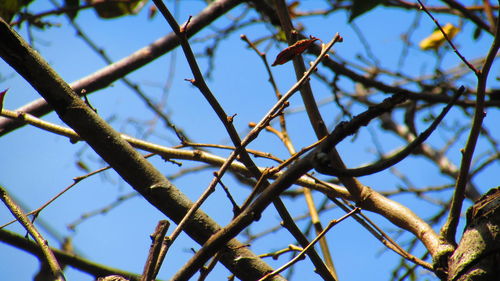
373	201
94	269
126	161
178	154
109	74
449	229
240	145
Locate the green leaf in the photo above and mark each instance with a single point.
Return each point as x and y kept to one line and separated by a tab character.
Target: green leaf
360	7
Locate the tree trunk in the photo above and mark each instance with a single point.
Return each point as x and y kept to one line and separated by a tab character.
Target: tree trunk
477	257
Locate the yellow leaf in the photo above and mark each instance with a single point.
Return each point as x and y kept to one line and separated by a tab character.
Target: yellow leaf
436	39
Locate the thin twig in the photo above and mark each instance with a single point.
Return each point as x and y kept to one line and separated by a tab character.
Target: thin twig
48	255
470	15
272	81
102	210
63	257
403	153
107	75
152	261
302	253
471	67
76	180
169	153
448	231
236	208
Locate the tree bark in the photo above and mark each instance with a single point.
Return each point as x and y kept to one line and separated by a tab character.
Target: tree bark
477	257
125	160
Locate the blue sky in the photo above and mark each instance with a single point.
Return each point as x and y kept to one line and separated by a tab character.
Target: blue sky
36	165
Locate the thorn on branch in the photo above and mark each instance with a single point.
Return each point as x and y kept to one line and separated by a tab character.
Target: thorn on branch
185	27
231	118
84	94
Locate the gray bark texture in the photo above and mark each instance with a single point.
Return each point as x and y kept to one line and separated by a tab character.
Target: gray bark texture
477	257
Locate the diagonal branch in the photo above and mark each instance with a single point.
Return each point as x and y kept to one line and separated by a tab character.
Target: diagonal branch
400	155
199	82
470	15
393	211
449	230
181	154
464	60
47	254
109	74
125	160
76	262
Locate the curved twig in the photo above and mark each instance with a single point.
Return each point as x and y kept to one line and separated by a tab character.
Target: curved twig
400	155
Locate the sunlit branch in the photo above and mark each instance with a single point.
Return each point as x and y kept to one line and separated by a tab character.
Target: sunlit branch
112	148
107	75
400	155
316	239
47	254
448	231
172	153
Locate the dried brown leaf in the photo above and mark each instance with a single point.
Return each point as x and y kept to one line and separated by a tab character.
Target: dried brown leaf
292	51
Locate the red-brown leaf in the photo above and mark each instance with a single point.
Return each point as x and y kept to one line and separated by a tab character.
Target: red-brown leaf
2	94
292	51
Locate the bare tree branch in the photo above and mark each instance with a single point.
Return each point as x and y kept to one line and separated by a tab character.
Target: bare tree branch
126	161
47	254
449	229
107	75
76	262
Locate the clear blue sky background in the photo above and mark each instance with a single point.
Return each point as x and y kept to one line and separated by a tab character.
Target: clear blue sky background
36	165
